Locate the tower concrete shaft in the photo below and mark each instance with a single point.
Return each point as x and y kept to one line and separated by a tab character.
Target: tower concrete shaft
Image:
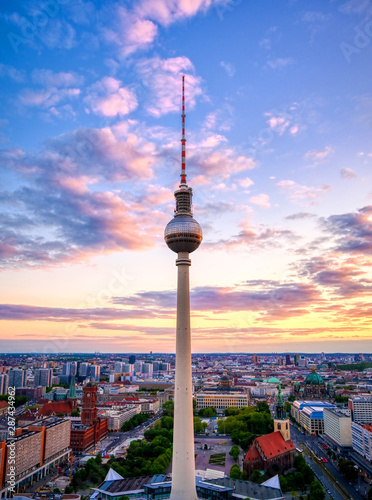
183	464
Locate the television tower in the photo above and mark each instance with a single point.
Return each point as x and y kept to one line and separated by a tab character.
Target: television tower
183	235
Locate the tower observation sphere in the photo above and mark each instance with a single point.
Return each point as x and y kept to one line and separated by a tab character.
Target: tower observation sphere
183	234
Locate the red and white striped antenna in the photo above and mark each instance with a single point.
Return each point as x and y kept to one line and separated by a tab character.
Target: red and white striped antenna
183	139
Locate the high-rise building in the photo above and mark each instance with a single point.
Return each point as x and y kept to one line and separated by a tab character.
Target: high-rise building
43	377
69	368
37	449
361	410
255	358
4	382
118	367
296	359
132	359
362	439
148	368
94	371
17	378
83	369
288	359
183	235
337	426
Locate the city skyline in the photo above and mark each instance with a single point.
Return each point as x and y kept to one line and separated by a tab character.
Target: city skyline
278	140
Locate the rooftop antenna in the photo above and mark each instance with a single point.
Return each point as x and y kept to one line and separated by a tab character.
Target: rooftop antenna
183	139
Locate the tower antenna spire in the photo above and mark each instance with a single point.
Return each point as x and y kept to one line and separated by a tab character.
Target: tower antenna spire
183	139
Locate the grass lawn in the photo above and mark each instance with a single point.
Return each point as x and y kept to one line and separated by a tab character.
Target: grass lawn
217	459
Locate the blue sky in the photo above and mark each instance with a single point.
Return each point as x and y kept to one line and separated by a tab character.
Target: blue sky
279	115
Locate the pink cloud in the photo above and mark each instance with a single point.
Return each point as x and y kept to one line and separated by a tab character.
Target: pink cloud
348	173
262	200
108	98
319	156
168	11
300	193
130	32
163	77
246	183
219	164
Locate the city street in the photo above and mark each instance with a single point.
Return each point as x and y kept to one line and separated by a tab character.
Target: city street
334	483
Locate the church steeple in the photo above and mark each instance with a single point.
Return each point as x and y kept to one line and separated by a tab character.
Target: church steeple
71	394
280	412
281	421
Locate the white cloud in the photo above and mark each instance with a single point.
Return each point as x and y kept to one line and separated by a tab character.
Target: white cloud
319	156
280	62
163	77
11	72
228	67
108	98
48	78
261	200
348	173
300	193
166	12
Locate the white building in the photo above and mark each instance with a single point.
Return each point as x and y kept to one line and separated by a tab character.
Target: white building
362	439
118	367
221	399
147	368
337	426
361	410
309	414
116	418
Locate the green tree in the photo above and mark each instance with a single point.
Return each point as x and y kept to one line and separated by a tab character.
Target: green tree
316	491
341	399
299	462
231	410
308	474
234	452
348	469
199	426
256	476
208	412
235	472
298	481
283	484
168	409
262	406
291	398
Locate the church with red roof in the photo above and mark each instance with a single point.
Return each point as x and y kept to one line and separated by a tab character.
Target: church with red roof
274	452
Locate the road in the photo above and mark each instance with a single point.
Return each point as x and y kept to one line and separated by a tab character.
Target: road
334	483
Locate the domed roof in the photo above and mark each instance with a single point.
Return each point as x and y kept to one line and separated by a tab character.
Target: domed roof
274	380
297	383
329	384
314	379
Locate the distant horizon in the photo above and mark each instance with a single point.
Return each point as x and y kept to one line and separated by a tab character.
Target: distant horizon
193	354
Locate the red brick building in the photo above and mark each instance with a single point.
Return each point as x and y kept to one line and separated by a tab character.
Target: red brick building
270	453
91	429
274	452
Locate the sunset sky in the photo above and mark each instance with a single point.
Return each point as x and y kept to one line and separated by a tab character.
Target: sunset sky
279	155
